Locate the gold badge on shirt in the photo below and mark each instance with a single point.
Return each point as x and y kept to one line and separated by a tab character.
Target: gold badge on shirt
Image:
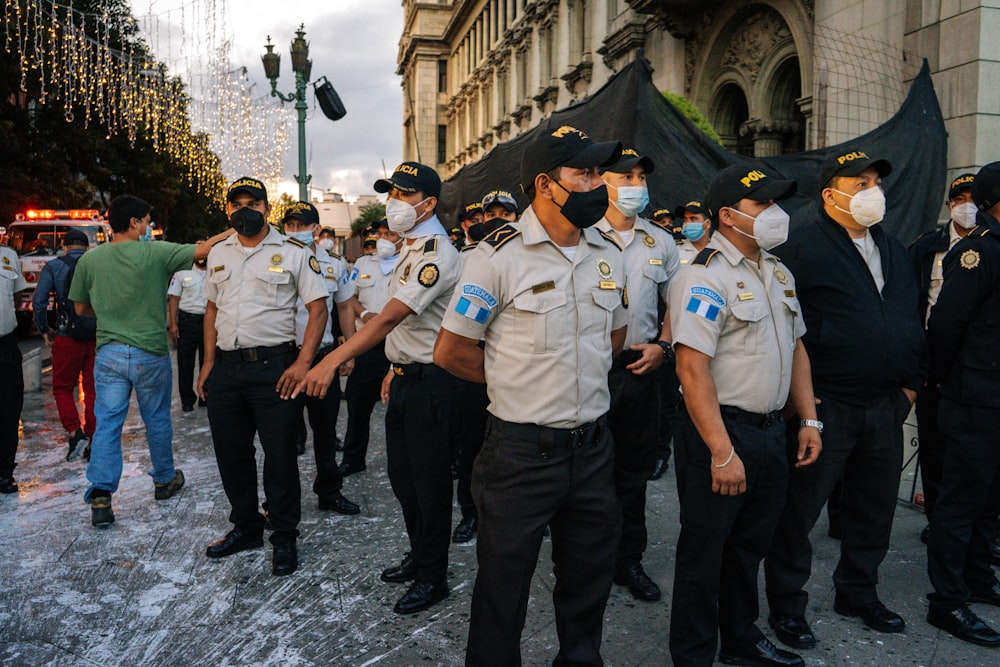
780	275
604	268
6	260
276	259
429	275
649	241
969	259
313	264
405	276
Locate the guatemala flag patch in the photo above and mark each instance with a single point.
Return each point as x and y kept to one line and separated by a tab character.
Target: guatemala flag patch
472	311
703	309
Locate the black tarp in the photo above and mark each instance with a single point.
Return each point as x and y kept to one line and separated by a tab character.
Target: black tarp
629	108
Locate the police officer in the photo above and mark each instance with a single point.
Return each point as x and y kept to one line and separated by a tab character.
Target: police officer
12	387
470	215
650	258
185	321
864	336
663	218
419	394
736	327
370	277
546	296
965	335
301	221
927	254
499	206
696	230
251	366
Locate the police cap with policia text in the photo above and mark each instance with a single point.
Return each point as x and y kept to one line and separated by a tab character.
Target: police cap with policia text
411	177
742	181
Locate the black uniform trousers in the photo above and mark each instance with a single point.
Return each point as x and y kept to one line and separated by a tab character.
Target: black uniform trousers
190	342
930	454
468	430
419	460
670	398
635	424
723	538
521	484
11	402
323	413
863	446
243	400
363	391
964	522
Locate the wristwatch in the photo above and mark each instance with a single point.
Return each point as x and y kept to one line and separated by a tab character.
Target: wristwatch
811	422
668	351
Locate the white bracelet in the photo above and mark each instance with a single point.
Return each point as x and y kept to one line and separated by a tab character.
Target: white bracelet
723	465
363	313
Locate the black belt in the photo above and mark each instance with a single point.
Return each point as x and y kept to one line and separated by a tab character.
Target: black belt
549	438
415	371
184	313
625	358
740	416
11	337
252	354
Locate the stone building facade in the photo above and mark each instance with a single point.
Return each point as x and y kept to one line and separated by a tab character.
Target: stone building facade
772	76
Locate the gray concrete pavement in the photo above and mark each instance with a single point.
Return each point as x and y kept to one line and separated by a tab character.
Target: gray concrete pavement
142	592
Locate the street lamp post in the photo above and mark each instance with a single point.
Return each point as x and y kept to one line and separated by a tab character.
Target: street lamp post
302	66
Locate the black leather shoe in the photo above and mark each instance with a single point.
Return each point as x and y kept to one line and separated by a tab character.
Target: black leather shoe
990	595
465	530
764	654
347	469
8	485
925	534
284	559
234	542
405	571
874	614
339	503
658	470
792	631
964	624
421	595
638	582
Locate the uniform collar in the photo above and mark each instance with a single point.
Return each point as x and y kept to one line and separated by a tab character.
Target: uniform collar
640	226
274	237
732	253
533	233
429	227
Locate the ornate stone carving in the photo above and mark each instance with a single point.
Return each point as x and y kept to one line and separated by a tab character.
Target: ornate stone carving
521	113
752	42
546	95
757	127
580	72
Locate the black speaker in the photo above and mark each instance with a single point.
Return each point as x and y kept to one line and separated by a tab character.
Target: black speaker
329	100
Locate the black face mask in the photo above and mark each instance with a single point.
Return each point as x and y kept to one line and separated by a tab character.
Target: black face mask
247	222
584	209
477	231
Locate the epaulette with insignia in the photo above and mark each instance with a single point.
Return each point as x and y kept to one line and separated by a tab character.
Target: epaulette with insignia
334	255
986	230
610	238
678	241
295	241
431	245
501	235
469	246
705	256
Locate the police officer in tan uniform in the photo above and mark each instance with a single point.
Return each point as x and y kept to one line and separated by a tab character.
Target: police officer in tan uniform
546	296
736	326
12	387
696	230
650	258
419	394
251	366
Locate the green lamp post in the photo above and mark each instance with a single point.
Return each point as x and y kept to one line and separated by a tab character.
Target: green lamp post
302	66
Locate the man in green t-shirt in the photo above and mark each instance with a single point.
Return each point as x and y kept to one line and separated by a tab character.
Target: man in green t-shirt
124	284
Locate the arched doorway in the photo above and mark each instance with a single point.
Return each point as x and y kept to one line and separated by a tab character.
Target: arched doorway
786	91
729	112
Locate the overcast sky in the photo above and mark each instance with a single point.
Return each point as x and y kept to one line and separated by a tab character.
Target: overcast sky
354	44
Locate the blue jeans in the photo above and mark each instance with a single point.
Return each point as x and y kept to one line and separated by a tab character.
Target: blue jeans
119	368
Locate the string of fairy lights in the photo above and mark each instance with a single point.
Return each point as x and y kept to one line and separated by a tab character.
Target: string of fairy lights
194	105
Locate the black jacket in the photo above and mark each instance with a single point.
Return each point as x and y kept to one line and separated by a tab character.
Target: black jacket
922	252
964	328
860	343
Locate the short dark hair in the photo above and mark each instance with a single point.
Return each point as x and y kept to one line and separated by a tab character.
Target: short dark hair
123	209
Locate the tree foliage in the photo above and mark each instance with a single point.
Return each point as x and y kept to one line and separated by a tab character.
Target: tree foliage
692	113
47	162
367	214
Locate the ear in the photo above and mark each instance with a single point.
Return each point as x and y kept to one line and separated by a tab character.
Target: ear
827	195
432	203
543	186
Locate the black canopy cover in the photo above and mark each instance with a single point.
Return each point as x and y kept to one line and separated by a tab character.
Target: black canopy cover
629	108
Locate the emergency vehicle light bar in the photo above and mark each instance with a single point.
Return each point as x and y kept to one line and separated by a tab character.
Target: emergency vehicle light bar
51	214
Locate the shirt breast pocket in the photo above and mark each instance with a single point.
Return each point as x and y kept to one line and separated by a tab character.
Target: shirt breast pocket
657	274
364	283
540	319
221	282
271	286
597	319
752	316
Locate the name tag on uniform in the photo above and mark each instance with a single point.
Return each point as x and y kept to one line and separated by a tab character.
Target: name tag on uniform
333	278
745	296
276	269
547	286
187	279
656	262
218	268
365	276
790	293
608	284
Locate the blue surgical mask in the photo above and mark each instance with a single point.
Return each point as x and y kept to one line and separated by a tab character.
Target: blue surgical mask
632	199
148	236
693	231
306	236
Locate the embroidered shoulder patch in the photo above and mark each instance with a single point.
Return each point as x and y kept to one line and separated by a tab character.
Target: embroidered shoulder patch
429	275
970	259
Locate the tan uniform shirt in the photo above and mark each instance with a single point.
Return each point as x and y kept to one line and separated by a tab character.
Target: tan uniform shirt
11	281
189	285
371	284
334	273
746	318
650	262
686	252
423	280
937	271
255	292
547	322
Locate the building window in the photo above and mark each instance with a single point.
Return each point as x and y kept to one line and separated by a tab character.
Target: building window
442	144
442	76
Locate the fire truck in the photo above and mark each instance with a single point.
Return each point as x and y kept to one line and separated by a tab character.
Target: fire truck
36	235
